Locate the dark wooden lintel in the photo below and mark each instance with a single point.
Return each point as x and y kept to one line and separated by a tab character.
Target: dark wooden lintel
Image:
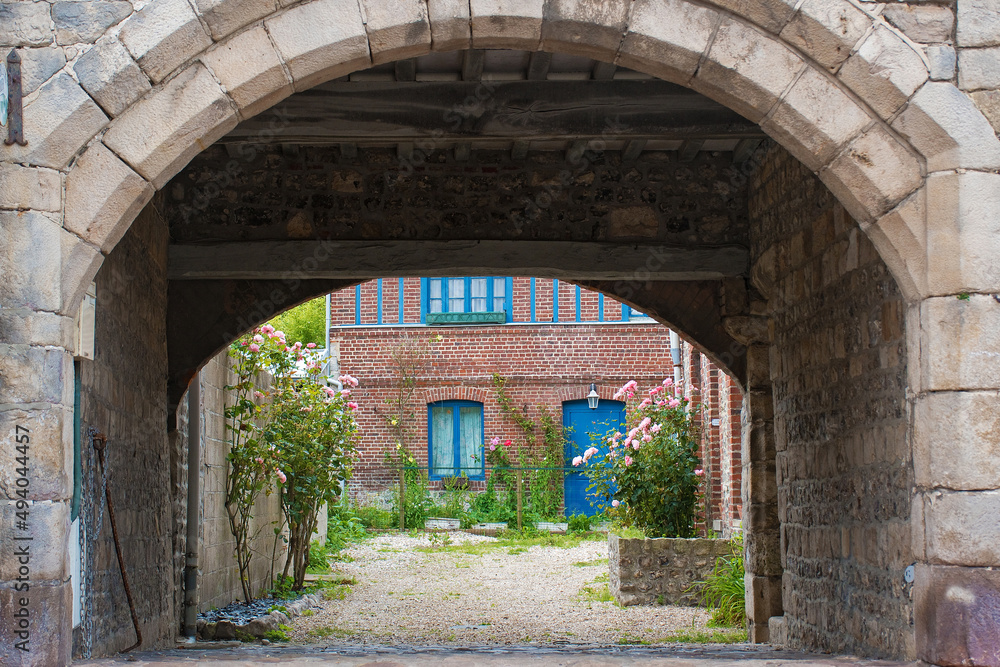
384	113
266	260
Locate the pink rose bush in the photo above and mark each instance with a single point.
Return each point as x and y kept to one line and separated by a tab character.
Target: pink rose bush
649	478
298	434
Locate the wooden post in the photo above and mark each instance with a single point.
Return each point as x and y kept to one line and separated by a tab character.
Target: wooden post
402	499
519	523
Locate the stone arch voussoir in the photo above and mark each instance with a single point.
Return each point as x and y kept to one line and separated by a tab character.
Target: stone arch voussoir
822	79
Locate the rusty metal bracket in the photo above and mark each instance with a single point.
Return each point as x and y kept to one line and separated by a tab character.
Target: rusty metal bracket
15	133
100	443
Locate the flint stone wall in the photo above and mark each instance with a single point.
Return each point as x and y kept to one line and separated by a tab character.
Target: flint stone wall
844	476
660	570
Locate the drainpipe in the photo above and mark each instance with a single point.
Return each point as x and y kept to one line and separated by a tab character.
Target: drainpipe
330	379
675	355
193	507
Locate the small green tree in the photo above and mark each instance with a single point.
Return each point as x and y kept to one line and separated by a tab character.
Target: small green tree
650	476
304	322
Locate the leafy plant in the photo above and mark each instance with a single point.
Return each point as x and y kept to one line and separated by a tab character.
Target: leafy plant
304	322
723	588
313	435
650	476
579	523
371	516
252	468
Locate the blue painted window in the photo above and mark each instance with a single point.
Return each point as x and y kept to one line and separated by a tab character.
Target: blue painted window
468	295
455	439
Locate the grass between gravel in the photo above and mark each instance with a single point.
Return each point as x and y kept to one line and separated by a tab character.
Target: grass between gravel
514	542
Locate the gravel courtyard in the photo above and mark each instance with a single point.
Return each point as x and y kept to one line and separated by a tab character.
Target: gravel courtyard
472	592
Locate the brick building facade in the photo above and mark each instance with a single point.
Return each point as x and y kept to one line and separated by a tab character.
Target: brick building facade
548	339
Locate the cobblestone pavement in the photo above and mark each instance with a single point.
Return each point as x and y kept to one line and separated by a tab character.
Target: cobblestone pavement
534	656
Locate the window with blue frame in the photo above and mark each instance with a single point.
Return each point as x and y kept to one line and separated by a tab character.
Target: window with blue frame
466	300
455	439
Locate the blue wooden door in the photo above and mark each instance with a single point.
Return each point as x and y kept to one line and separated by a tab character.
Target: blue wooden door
587	428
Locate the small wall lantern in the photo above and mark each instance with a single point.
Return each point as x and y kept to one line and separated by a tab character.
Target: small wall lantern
592	397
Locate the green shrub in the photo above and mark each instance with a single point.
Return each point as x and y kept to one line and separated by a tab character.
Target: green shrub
371	516
723	589
579	523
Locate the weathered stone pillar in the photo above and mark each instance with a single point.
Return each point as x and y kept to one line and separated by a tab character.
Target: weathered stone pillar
36	403
760	497
955	377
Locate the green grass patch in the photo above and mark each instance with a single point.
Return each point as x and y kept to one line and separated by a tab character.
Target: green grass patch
327	631
591	563
516	542
595	592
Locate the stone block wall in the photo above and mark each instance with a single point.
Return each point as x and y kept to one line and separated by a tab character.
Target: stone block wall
661	570
838	368
218	576
123	395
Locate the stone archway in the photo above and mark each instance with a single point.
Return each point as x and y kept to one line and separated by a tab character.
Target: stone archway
842	90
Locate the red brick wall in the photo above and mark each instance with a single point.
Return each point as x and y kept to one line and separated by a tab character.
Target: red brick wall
545	364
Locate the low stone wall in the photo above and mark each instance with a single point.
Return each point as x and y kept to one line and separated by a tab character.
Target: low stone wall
659	571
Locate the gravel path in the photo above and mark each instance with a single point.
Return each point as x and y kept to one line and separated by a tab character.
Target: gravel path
508	595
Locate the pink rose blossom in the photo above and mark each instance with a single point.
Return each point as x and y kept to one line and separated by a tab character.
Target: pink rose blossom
577	460
281	476
352	405
667	382
615	503
267	329
628	460
311	346
627	443
495	441
345	392
258	394
647	438
645	423
655	390
673	403
635	444
699	472
645	402
655	428
493	448
258	339
506	443
349	380
260	460
329	392
254	347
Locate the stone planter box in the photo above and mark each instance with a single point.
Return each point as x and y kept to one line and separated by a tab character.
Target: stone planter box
659	571
442	523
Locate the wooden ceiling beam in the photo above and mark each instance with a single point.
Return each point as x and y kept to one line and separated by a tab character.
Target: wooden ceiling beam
538	66
689	149
473	61
390	112
581	260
